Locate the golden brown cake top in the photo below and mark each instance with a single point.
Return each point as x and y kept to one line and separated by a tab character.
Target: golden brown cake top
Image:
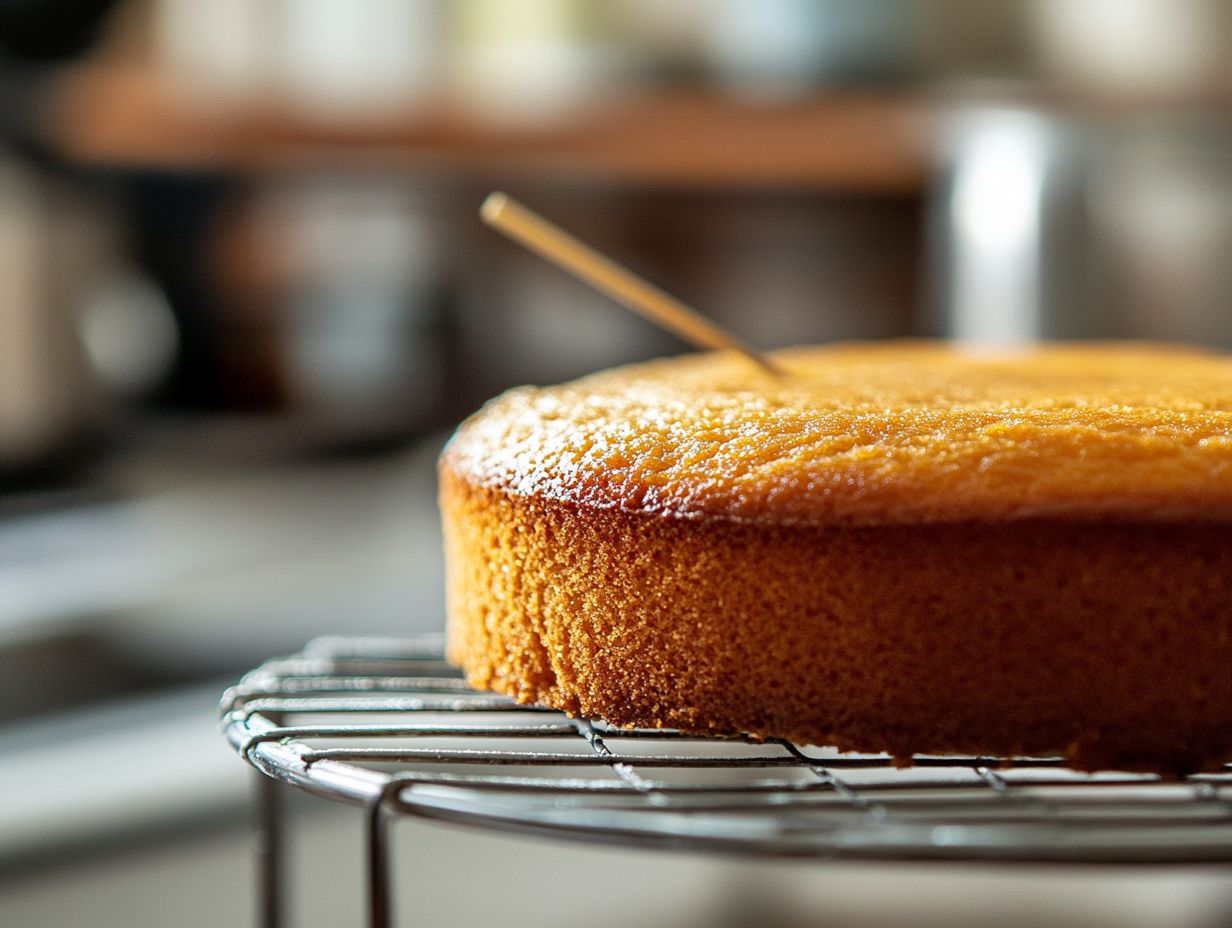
873	434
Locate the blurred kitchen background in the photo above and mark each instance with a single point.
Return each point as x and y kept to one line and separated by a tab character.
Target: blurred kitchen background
244	295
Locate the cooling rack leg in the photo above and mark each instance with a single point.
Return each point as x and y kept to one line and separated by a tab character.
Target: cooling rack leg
380	901
269	852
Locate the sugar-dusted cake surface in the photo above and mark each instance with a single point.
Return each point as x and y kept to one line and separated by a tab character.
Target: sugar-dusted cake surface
900	546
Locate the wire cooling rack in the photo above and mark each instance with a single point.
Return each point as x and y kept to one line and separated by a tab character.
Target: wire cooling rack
387	724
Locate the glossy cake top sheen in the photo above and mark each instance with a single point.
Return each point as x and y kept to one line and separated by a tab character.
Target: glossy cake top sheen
874	434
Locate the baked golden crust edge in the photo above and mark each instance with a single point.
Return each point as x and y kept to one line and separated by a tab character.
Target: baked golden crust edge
1109	643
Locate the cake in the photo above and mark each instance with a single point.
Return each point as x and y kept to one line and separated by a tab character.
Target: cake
894	547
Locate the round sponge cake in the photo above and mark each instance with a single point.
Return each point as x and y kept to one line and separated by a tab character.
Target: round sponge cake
897	547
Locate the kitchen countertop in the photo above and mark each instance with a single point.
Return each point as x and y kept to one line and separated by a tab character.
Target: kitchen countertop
208	568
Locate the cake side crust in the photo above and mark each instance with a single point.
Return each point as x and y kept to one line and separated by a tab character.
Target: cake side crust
1109	643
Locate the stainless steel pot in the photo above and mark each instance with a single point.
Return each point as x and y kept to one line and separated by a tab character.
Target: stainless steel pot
1084	221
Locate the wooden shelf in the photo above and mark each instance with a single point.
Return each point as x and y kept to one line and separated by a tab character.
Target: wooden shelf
863	143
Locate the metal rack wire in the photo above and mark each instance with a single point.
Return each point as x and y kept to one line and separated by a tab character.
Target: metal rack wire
388	725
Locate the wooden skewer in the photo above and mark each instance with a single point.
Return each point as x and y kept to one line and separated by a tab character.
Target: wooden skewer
556	245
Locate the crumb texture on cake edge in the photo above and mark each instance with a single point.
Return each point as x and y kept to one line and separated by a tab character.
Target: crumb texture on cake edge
1108	644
